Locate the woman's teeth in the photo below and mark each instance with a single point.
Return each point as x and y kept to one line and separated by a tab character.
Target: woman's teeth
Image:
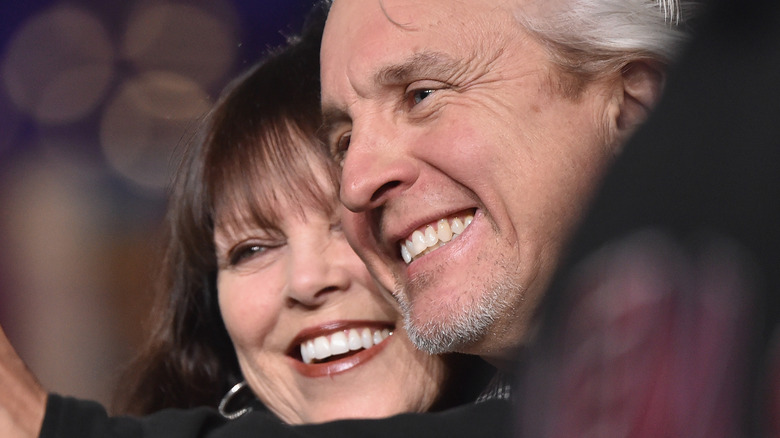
426	240
323	347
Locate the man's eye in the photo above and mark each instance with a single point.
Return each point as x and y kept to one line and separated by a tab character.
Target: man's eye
419	95
343	143
340	147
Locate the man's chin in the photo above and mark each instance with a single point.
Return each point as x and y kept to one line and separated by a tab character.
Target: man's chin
465	325
436	340
441	331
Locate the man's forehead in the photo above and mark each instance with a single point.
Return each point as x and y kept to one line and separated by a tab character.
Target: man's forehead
363	56
370	18
365	29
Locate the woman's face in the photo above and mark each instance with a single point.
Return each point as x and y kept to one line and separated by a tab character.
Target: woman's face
310	328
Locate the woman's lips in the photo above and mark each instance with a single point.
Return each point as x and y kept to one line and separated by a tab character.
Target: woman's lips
322	348
338	346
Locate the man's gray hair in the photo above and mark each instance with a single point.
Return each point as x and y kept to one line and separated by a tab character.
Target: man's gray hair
588	38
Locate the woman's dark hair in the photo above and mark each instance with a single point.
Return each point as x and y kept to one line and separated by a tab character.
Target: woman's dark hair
259	141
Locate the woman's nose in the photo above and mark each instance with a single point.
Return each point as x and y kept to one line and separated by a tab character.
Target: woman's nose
316	272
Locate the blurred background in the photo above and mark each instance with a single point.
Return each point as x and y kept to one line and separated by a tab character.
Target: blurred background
95	97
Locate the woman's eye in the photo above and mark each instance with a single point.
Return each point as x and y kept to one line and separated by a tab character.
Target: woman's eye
242	253
420	95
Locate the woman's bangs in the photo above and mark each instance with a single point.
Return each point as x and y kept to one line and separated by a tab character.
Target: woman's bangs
270	177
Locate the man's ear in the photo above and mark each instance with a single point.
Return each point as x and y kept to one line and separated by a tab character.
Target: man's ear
642	85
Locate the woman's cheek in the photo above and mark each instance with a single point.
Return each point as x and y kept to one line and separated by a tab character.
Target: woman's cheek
245	311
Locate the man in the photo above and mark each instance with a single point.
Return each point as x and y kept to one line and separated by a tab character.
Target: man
472	136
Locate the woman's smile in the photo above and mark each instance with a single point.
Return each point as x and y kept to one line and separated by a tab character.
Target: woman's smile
337	347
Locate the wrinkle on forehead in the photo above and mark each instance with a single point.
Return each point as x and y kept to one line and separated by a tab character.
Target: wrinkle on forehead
426	64
364	53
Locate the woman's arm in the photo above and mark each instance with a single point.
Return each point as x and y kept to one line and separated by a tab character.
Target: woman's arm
22	399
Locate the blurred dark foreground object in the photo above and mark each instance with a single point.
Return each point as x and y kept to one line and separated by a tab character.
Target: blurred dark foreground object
654	342
661	322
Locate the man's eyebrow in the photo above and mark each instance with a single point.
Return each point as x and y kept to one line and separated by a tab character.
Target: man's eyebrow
424	65
418	66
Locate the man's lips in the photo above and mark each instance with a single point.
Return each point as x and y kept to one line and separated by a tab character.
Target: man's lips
434	235
337	346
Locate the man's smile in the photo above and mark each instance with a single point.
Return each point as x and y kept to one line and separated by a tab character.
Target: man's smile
433	236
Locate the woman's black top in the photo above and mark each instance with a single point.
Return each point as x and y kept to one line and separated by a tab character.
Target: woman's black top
68	417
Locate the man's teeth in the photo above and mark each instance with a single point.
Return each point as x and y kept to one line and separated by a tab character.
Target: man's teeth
427	240
341	342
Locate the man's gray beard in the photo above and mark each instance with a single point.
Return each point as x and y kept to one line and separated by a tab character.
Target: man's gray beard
461	326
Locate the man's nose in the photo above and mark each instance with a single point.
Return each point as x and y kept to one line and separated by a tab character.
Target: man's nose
376	168
316	271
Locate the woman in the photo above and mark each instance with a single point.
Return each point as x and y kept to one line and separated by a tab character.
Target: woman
260	284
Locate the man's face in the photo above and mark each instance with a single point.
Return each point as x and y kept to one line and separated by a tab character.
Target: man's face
446	113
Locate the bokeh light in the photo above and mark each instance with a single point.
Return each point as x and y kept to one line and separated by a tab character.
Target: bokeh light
146	121
59	65
182	38
59	226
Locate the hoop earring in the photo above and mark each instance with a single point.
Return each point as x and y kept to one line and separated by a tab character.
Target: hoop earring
223	404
